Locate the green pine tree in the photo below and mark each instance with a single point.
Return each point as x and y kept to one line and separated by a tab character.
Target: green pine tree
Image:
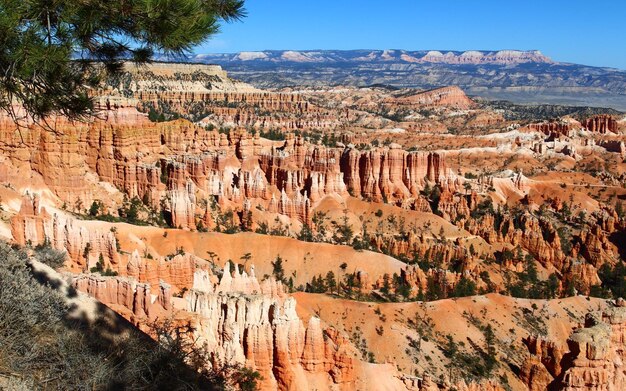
40	39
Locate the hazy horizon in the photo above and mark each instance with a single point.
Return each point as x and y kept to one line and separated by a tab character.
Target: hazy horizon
566	31
444	51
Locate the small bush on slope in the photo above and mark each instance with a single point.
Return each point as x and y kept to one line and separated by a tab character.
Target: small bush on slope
42	347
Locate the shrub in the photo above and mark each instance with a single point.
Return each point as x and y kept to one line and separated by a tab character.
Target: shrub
43	347
48	255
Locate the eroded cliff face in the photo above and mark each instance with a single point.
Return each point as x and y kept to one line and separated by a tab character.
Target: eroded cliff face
601	124
241	320
592	360
183	81
446	96
179	168
83	244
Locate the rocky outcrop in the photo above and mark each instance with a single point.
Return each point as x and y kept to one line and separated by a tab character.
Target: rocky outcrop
178	271
131	299
593	359
595	247
392	174
176	167
173	81
601	124
243	321
84	244
598	353
537	236
445	96
554	129
256	324
617	146
543	365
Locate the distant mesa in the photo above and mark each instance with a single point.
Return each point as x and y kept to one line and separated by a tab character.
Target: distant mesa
503	57
518	76
247	56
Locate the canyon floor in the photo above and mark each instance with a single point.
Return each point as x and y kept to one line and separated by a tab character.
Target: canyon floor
337	238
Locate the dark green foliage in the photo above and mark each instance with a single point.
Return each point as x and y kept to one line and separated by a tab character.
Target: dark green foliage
99	268
95	208
565	236
402	288
131	211
433	289
99	265
87	250
386	288
525	112
317	285
319	222
613	279
363	242
490	355
263	228
506	255
350	281
45	253
343	230
450	348
599	291
244	377
225	222
200	227
330	140
331	282
552	286
529	285
278	229
476	364
277	269
306	234
272	134
154	116
465	287
40	38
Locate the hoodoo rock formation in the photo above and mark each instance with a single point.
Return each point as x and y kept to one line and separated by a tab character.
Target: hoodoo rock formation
593	359
601	124
176	167
33	225
243	321
395	203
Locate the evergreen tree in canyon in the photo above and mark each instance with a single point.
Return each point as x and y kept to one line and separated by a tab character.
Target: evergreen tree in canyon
53	51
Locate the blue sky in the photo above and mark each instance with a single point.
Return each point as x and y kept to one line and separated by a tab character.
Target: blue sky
585	32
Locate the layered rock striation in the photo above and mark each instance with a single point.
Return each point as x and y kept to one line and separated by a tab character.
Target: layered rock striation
180	168
592	360
243	321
